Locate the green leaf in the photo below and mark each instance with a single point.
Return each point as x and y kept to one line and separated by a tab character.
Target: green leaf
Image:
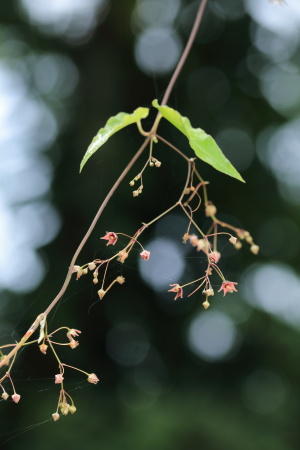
204	146
114	124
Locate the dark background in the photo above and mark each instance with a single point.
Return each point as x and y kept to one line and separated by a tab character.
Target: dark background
172	375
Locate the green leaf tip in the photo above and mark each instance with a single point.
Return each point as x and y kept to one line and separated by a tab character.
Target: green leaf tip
114	124
204	146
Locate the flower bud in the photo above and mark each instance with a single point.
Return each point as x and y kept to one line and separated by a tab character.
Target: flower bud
43	348
55	416
120	280
16	397
210	210
233	240
91	266
214	257
5	396
157	164
95	280
101	293
238	245
92	378
58	378
254	249
72	409
135	193
64	408
122	256
131	183
194	240
208	292
206	304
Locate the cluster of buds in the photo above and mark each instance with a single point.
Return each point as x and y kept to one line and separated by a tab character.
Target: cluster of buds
15	397
154	162
245	235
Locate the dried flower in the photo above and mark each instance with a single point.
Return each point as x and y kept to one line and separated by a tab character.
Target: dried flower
16	397
145	255
228	286
92	378
43	348
111	237
55	416
58	378
122	256
177	289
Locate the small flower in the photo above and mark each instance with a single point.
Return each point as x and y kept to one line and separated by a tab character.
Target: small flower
177	289
73	332
228	286
145	255
206	304
92	378
101	293
111	237
254	249
16	397
5	396
78	270
73	343
214	257
58	378
43	348
55	416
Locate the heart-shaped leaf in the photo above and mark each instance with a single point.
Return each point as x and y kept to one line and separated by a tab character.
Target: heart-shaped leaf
204	146
114	124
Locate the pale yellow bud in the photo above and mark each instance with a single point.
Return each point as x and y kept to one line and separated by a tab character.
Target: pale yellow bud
101	293
210	210
233	240
91	266
206	304
120	280
254	249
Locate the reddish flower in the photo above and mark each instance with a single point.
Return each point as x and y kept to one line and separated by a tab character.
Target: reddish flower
16	398
214	257
111	237
177	289
92	378
73	333
145	255
228	286
59	378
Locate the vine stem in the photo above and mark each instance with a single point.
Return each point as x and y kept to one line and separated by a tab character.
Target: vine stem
40	320
185	52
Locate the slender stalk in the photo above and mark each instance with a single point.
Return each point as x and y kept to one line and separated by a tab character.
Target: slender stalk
185	52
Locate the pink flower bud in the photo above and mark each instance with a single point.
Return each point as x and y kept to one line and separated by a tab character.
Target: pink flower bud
43	348
145	255
214	257
59	378
16	398
55	416
92	378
